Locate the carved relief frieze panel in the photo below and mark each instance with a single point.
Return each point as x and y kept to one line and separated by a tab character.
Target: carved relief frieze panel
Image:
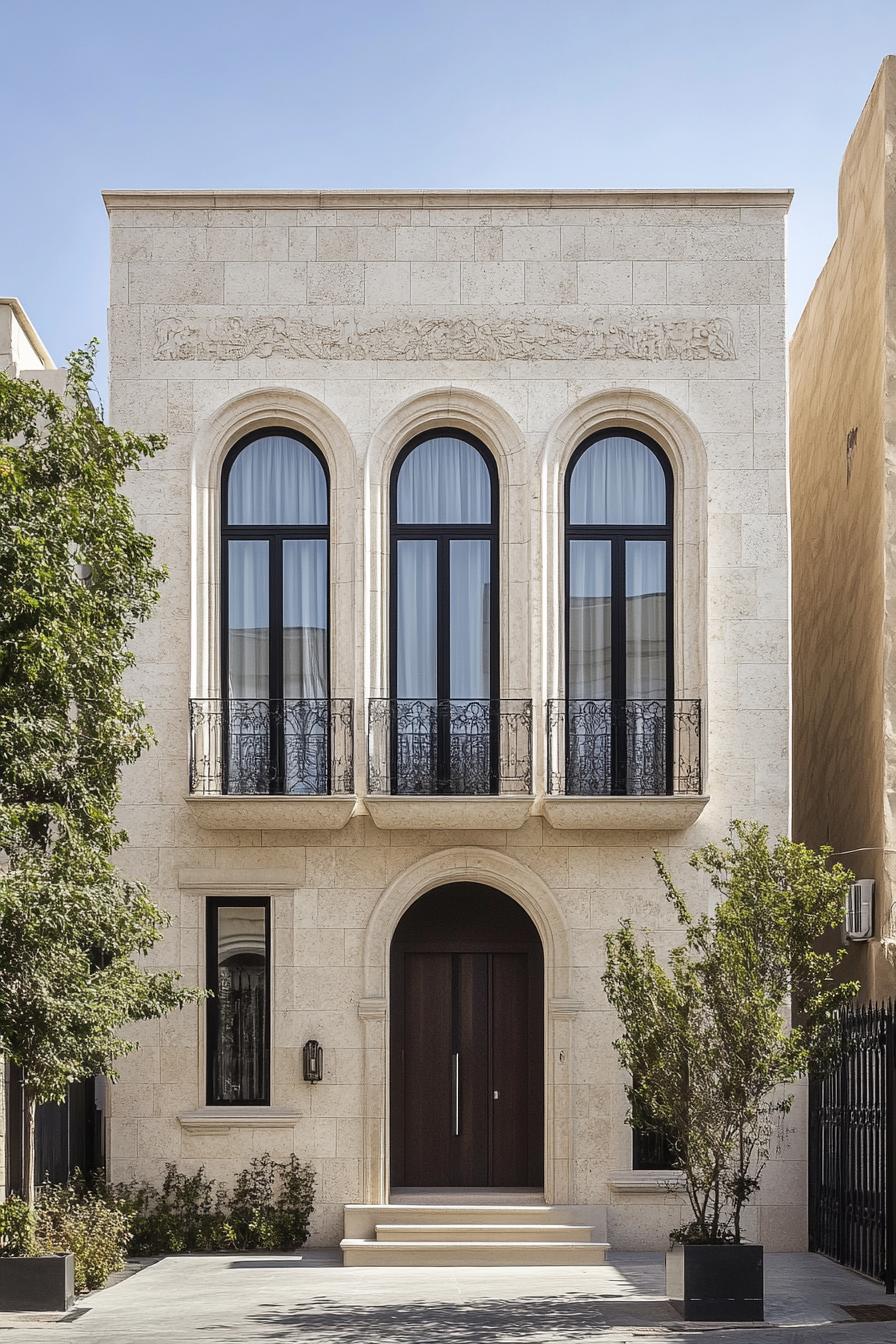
471	336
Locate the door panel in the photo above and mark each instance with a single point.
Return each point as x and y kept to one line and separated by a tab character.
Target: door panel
510	1068
427	1091
466	981
471	1166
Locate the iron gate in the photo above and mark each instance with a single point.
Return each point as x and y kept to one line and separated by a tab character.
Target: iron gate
852	1154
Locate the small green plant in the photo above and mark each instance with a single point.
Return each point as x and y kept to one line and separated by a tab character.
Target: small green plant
16	1227
268	1209
75	1218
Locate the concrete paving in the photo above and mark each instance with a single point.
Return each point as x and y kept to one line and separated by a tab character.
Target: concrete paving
310	1298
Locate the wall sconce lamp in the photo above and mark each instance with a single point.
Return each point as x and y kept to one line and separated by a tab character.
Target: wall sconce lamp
312	1062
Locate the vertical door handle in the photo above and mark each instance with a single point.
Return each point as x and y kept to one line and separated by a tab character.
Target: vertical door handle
455	1090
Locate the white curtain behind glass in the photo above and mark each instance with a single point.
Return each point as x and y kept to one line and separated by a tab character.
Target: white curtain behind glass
416	620
304	619
645	605
470	620
249	620
589	620
443	480
617	480
279	481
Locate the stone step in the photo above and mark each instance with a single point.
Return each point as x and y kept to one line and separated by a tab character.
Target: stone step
450	1232
361	1219
401	1253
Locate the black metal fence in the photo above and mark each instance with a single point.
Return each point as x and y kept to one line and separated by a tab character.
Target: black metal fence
852	1147
623	747
271	746
449	746
67	1137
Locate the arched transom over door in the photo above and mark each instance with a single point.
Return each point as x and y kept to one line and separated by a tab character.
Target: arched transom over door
467	1043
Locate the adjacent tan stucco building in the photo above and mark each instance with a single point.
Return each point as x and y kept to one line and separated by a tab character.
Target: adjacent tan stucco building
843	501
526	323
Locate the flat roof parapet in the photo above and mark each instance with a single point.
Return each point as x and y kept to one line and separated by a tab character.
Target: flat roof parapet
776	198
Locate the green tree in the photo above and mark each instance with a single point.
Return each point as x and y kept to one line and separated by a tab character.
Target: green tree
714	1043
76	579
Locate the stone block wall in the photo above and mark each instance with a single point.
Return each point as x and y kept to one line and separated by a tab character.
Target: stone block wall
530	319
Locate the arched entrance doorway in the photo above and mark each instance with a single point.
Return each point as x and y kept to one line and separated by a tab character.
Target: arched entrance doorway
467	1043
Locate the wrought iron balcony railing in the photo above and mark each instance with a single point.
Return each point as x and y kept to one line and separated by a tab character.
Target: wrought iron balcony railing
271	747
627	748
459	747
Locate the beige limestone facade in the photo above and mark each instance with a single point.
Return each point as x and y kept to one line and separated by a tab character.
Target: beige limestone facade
843	502
530	321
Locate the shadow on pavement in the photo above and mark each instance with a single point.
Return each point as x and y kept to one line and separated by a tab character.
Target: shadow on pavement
570	1317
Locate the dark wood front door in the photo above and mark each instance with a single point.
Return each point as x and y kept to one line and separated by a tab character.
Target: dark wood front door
467	1053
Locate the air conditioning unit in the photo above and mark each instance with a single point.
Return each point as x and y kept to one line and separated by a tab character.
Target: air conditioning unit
859	920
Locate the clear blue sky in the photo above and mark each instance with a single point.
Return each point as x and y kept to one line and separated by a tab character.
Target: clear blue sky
412	93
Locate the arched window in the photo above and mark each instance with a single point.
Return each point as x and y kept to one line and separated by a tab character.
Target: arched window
444	616
618	616
275	608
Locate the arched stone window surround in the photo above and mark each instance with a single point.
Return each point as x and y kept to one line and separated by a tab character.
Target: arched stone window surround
661	420
270	408
514	879
450	408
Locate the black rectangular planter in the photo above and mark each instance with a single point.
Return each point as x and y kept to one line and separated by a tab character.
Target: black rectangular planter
716	1283
37	1282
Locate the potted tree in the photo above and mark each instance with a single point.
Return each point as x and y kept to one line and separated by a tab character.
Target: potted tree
715	1041
76	578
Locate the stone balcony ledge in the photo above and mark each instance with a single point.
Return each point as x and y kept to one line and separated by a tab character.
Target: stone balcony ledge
653	812
271	812
480	812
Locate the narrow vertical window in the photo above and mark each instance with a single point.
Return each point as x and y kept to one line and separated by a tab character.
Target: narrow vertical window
275	581
238	1013
619	705
444	626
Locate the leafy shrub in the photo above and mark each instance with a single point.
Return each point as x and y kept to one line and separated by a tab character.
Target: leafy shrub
75	1218
187	1214
272	1203
268	1209
16	1228
72	1218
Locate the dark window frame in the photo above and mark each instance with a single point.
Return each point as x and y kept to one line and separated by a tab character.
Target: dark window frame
617	534
274	535
212	905
443	534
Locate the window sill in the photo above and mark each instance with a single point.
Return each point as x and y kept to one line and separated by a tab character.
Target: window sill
219	1119
482	812
660	812
647	1182
258	812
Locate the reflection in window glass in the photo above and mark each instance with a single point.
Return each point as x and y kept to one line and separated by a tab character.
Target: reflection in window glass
305	619
416	620
645	619
470	569
238	1013
589	620
248	619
